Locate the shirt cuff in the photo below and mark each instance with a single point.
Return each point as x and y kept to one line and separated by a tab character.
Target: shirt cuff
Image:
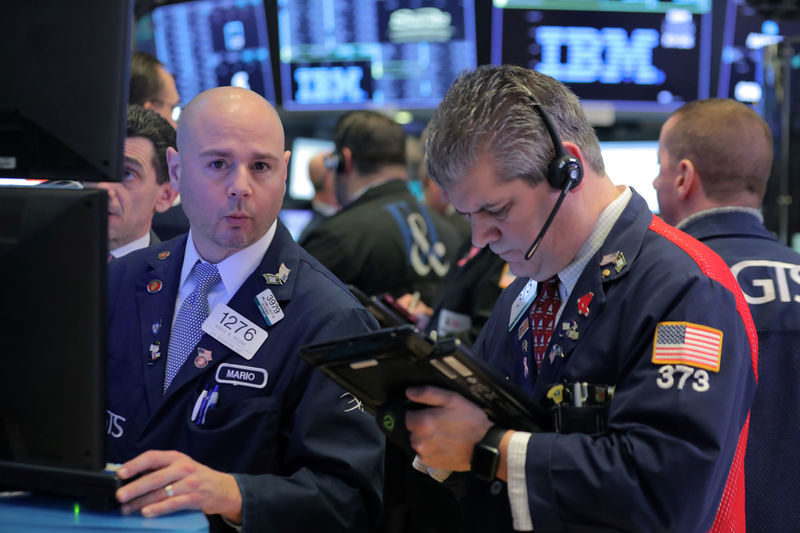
237	527
517	487
436	473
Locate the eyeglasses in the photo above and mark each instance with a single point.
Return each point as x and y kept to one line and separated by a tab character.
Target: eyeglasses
175	112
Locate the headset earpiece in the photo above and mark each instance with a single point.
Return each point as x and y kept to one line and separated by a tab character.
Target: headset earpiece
565	171
335	161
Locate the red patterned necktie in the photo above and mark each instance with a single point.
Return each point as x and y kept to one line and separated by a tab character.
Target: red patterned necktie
543	317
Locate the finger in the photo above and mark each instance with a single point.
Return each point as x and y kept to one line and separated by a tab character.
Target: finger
139	502
429	395
145	486
420	422
150	460
169	505
405	300
148	483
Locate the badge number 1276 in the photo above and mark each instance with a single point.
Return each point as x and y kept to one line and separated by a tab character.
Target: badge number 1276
234	331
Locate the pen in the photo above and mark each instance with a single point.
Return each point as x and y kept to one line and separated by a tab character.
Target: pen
212	401
202	410
414	302
198	403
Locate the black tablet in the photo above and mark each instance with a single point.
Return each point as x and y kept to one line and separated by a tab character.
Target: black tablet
384	308
377	367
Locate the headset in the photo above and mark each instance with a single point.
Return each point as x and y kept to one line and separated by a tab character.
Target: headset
335	161
564	173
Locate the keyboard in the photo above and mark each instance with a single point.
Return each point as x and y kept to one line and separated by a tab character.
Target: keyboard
95	489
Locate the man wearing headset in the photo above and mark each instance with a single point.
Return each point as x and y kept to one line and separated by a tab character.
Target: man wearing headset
650	359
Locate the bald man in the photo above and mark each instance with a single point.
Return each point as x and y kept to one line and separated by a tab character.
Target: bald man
715	158
244	429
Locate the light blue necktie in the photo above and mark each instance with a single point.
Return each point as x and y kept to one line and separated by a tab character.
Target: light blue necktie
187	329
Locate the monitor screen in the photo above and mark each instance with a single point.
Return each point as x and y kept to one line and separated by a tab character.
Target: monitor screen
647	56
64	88
53	248
361	54
745	33
296	220
633	163
303	149
214	43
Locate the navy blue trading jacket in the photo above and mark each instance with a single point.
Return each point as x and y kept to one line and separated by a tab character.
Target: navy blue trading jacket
676	432
769	274
303	458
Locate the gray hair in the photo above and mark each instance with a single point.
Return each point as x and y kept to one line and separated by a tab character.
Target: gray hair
488	111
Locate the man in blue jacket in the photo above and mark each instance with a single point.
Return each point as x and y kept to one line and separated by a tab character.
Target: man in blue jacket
628	308
207	397
715	158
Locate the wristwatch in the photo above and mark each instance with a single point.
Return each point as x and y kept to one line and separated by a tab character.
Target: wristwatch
486	454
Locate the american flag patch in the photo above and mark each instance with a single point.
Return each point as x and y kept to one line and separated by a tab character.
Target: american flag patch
684	343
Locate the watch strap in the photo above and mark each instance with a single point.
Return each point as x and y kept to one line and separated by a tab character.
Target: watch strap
486	454
493	437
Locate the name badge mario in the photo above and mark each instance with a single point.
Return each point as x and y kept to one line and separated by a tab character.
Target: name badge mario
234	331
247	376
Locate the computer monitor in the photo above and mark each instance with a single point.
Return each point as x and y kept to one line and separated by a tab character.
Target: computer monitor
638	56
367	54
295	220
745	33
633	163
64	88
214	43
303	149
53	250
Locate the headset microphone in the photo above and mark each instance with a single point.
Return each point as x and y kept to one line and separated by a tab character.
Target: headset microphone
567	186
565	173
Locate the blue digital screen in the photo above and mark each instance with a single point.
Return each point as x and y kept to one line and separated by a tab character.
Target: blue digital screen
366	54
214	43
640	56
295	220
745	34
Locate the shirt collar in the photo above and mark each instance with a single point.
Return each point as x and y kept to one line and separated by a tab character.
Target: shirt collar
718	210
569	276
369	186
234	269
141	242
323	208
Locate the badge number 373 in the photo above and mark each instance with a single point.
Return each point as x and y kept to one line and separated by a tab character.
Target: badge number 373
681	376
234	331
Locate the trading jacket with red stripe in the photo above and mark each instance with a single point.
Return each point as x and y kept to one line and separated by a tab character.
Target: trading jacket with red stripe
676	432
769	274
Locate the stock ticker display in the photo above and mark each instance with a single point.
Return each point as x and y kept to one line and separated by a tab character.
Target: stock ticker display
212	43
745	33
361	54
641	56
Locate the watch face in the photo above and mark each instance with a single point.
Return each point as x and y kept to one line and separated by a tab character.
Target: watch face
485	460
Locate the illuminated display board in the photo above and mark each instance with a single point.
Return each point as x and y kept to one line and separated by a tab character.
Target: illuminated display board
640	56
359	54
633	163
745	34
212	43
